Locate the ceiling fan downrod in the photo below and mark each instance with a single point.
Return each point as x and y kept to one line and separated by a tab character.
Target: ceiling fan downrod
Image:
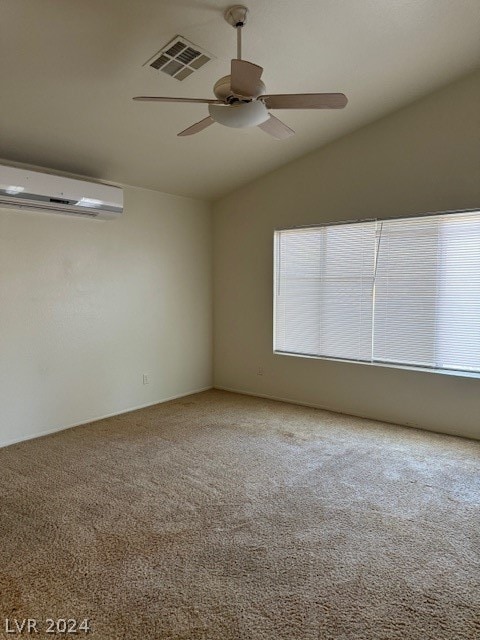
237	17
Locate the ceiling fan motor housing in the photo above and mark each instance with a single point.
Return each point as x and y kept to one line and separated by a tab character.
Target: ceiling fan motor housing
223	90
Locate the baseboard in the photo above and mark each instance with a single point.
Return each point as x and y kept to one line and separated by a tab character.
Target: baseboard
7	443
320	406
254	394
412	425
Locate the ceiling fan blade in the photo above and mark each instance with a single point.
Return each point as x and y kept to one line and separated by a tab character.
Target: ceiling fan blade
197	127
245	77
162	99
306	101
276	128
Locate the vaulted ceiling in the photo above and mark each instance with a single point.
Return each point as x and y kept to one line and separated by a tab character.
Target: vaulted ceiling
69	68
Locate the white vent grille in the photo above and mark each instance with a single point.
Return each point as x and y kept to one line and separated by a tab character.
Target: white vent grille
179	58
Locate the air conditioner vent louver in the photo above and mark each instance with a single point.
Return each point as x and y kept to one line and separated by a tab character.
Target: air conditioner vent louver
156	64
173	51
188	55
179	58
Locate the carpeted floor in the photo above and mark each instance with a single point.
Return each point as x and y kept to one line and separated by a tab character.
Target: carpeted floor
224	517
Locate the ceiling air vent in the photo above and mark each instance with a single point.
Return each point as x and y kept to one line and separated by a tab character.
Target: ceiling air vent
179	58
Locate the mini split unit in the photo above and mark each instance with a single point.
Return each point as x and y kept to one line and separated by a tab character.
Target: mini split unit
32	190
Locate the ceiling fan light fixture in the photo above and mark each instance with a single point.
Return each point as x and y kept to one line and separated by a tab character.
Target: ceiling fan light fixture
240	115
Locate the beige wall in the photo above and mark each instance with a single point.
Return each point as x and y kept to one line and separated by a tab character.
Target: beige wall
87	307
423	158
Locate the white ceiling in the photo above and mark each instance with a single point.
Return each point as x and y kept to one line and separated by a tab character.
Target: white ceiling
69	68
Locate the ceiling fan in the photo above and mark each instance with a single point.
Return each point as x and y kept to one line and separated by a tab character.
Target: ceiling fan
241	98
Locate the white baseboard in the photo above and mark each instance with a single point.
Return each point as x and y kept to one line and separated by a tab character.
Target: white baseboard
7	443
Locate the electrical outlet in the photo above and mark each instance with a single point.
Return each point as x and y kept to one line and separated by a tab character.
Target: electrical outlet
260	371
146	378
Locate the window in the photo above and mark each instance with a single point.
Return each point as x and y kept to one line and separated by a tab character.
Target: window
403	292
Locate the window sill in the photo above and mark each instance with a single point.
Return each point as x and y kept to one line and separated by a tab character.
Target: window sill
443	372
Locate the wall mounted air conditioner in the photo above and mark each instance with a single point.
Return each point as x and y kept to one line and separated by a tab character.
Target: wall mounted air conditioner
32	190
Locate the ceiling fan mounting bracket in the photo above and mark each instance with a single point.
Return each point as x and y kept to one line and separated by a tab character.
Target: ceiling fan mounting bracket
236	15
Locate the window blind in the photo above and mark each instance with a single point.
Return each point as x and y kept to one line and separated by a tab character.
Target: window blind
399	292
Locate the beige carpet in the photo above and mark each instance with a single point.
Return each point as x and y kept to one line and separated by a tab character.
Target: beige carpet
222	517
